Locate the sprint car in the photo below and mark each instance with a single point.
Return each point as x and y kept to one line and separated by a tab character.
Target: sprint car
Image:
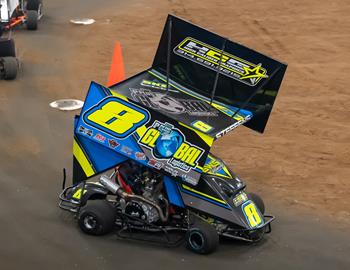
141	153
19	12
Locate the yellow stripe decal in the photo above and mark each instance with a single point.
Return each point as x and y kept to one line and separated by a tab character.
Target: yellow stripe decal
115	94
227	171
219	174
82	159
203	194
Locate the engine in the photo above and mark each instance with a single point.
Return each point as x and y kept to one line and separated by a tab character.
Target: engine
147	186
142	211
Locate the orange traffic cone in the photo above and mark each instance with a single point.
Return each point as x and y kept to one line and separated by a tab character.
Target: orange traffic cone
117	71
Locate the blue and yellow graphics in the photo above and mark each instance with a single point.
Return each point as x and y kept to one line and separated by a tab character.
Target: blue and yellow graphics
113	128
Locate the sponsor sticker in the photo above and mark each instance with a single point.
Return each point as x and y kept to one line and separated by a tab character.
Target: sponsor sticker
112	143
231	66
155	164
213	166
202	126
126	150
238	123
86	131
168	143
140	156
100	138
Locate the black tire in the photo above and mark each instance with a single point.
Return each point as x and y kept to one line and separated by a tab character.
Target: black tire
33	4
10	67
258	201
7	47
32	20
202	238
97	217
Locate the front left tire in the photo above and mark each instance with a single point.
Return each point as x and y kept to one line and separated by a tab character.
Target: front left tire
97	217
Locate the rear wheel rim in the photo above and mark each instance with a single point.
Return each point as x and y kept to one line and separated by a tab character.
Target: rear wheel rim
90	222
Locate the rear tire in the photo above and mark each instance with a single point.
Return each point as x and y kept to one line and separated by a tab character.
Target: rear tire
258	202
97	217
202	237
32	20
10	67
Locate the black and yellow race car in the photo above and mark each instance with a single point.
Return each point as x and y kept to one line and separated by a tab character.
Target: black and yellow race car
152	134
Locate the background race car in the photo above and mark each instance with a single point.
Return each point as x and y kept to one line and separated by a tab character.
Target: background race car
12	14
18	12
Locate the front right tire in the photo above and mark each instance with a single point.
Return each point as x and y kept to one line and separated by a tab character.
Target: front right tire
202	238
97	217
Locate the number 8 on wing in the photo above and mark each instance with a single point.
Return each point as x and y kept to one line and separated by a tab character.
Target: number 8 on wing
116	117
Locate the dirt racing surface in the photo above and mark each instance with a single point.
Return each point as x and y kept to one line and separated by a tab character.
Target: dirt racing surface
300	165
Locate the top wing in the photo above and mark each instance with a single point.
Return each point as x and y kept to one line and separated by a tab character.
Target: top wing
247	80
199	87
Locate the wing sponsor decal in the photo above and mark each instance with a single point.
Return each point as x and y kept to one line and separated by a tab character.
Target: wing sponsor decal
168	143
216	167
240	121
232	66
202	126
172	105
213	166
157	85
